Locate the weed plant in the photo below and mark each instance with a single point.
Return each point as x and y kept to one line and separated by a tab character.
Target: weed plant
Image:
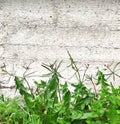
54	103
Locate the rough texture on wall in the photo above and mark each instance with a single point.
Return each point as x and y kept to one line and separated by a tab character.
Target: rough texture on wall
43	30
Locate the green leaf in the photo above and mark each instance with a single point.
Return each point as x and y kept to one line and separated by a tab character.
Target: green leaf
89	115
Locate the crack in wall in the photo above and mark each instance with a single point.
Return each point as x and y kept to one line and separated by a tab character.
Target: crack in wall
2	50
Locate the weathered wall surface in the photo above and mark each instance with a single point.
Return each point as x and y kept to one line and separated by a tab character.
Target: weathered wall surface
43	30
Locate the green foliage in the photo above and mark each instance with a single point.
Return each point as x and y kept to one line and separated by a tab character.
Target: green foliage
54	103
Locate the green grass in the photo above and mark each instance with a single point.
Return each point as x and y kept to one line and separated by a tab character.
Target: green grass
54	103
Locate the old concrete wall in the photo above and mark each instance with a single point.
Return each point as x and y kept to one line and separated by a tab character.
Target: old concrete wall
43	30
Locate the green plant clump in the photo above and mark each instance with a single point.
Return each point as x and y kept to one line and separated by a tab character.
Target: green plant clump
54	103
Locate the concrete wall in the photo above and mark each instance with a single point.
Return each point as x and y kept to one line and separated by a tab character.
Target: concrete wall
43	30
